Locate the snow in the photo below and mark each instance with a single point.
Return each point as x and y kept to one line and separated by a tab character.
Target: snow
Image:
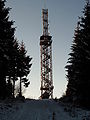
40	110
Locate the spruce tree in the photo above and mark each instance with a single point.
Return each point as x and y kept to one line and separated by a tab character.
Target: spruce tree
13	65
24	65
14	62
6	44
78	67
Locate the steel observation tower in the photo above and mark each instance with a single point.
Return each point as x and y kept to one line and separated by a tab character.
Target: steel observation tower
46	59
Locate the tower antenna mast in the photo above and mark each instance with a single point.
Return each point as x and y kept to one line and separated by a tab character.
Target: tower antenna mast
45	4
46	59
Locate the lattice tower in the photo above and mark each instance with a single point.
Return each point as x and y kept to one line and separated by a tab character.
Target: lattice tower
46	59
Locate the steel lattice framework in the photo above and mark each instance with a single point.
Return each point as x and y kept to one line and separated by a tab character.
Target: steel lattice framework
46	59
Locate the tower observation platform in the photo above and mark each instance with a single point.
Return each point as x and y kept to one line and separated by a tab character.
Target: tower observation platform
46	59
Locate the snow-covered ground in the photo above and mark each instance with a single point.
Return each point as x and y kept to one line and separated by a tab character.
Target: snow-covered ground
40	110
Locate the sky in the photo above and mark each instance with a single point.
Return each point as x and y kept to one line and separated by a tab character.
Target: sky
63	17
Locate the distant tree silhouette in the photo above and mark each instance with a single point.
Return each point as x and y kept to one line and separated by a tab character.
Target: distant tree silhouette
78	66
24	65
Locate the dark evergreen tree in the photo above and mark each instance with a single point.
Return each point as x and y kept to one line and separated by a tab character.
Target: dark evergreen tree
6	41
24	65
78	67
14	62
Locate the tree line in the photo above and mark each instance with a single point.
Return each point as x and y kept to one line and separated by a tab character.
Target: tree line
78	65
15	64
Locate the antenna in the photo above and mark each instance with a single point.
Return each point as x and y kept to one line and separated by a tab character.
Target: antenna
45	1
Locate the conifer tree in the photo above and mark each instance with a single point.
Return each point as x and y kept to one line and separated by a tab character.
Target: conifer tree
12	65
14	62
6	44
24	65
78	67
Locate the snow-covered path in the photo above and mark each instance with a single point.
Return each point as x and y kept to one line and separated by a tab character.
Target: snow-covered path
40	110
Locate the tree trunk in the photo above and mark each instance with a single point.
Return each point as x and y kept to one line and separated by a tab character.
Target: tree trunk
13	88
20	93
